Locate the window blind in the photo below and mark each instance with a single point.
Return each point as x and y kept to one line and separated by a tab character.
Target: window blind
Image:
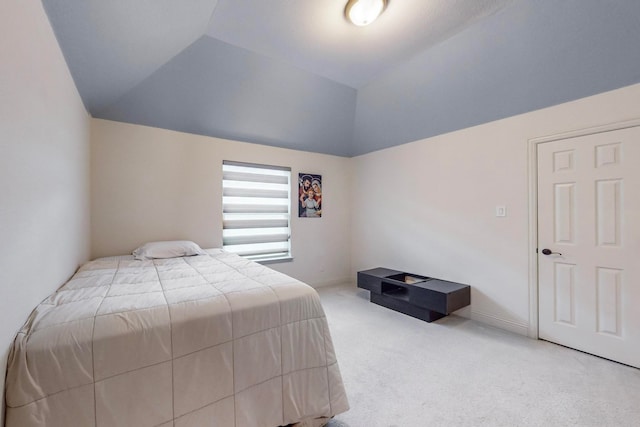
256	202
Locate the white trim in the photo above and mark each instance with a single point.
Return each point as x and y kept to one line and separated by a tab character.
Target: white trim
256	165
532	330
287	258
498	322
587	131
334	282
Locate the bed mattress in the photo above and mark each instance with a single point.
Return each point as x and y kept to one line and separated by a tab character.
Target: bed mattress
211	340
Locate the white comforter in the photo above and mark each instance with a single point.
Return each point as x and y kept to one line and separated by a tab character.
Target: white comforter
210	340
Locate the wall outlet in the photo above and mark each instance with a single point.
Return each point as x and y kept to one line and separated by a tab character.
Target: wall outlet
501	211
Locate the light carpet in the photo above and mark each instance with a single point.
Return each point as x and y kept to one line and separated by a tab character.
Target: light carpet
402	372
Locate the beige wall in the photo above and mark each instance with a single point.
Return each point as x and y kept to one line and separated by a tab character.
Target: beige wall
428	207
153	184
44	168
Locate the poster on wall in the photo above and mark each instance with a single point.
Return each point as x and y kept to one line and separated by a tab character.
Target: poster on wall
309	195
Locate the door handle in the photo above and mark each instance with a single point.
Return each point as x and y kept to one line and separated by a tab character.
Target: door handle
549	252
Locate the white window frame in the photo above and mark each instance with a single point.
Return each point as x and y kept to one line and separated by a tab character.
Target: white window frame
256	211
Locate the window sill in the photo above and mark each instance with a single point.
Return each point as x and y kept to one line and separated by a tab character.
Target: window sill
275	260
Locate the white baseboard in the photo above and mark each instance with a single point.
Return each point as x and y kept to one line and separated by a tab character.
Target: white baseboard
333	282
509	325
488	319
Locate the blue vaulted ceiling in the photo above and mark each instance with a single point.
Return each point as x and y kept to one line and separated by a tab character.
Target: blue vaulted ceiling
180	65
213	88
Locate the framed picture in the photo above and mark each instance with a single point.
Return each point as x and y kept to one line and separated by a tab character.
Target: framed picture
309	195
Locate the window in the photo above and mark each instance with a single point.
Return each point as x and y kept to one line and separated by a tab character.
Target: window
256	210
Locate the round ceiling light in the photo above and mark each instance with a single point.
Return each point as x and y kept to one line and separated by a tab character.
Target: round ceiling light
364	12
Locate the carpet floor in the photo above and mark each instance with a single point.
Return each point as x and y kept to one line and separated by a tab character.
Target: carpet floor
402	372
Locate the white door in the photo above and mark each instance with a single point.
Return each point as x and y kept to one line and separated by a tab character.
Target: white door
589	212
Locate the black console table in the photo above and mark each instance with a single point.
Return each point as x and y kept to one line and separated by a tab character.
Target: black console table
418	296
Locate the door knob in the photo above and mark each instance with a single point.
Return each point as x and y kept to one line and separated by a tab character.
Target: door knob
549	252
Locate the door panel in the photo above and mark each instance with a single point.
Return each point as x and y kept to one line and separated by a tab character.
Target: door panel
589	216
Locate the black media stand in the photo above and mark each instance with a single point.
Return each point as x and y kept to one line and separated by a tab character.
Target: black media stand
421	297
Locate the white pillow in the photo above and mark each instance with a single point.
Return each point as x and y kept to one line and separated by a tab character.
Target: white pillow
168	249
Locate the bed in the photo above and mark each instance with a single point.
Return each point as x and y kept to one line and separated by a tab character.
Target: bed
205	340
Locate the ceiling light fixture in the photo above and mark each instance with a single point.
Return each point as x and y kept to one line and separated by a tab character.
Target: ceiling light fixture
364	12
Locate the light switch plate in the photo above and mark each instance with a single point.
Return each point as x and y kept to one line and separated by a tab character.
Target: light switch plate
501	211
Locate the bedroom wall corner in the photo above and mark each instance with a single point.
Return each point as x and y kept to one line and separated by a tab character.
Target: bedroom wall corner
154	184
429	207
44	169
